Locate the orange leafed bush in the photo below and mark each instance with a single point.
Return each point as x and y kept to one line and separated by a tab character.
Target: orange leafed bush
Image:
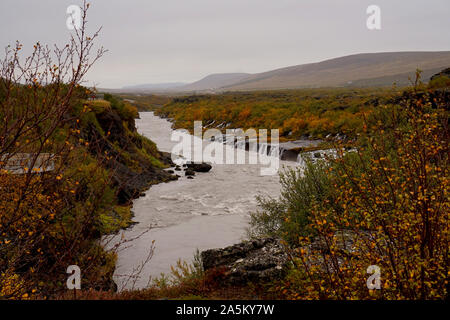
391	209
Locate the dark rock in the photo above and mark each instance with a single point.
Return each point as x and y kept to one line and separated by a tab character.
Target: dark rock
445	72
199	167
317	155
170	171
190	177
189	172
177	168
257	260
131	184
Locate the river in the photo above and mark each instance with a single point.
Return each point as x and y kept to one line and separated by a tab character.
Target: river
209	211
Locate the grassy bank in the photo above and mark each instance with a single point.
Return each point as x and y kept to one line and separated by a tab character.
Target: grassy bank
315	113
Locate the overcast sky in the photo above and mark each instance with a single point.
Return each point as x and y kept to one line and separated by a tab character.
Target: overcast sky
154	41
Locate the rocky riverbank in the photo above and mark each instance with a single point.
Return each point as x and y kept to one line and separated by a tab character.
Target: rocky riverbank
257	260
190	168
267	259
134	161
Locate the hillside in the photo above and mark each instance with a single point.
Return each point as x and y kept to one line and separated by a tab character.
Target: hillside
153	87
358	70
381	69
215	81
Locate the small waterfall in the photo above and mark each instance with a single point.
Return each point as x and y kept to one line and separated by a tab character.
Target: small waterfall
241	145
301	160
230	140
275	151
253	146
263	149
282	151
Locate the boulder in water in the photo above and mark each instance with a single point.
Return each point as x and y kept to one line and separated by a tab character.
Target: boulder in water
199	167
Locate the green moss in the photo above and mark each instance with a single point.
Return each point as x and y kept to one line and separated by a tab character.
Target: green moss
118	218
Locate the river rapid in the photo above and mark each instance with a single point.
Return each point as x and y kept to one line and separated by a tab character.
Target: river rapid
209	211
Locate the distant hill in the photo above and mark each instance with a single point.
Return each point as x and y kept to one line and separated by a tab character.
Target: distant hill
369	69
215	81
154	86
358	70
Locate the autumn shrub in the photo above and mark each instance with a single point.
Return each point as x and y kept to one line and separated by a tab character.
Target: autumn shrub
54	189
53	221
184	273
288	216
390	209
313	112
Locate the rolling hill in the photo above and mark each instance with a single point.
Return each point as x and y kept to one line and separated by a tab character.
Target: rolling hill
215	81
154	86
358	70
369	69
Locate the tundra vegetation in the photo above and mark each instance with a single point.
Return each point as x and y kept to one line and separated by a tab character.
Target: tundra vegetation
315	113
386	204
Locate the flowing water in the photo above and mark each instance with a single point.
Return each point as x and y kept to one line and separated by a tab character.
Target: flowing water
209	211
